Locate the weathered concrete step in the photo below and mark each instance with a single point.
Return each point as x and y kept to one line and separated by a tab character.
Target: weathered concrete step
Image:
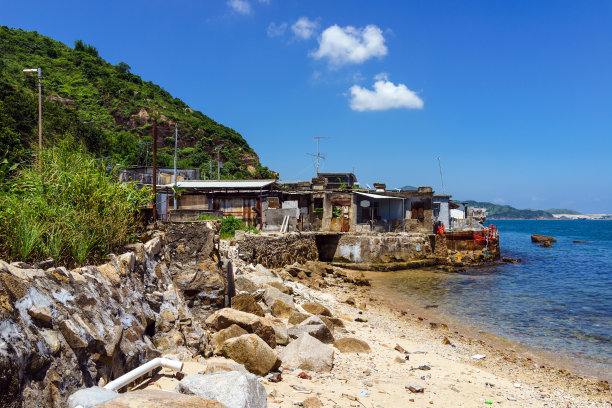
388	266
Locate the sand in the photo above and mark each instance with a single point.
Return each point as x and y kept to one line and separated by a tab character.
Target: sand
452	376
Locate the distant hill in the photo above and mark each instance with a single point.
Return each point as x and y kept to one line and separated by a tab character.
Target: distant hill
563	211
500	212
107	108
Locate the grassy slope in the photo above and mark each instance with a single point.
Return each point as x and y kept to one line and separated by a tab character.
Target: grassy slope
106	107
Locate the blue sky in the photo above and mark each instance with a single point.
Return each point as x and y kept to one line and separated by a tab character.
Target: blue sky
515	97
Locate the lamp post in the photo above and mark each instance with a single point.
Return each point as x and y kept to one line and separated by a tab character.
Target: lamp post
39	72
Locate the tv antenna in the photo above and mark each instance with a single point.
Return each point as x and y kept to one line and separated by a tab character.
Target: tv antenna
318	155
441	179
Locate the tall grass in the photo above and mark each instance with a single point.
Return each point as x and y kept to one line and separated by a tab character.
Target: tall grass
69	209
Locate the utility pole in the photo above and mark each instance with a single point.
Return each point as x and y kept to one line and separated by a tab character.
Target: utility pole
318	155
39	72
441	179
175	156
154	170
218	149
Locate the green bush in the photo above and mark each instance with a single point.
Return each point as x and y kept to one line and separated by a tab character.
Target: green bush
230	224
67	208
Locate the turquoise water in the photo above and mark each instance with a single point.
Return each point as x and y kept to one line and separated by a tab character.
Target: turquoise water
558	299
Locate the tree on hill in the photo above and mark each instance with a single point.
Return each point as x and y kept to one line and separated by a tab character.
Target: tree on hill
107	108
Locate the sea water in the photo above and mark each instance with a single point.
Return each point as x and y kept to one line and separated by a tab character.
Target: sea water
557	300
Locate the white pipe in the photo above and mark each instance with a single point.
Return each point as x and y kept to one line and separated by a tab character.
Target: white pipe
143	369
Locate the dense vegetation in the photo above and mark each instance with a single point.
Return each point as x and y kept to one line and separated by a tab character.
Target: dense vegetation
495	211
229	225
68	208
107	108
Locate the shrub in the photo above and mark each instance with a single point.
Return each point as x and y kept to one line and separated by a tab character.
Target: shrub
68	208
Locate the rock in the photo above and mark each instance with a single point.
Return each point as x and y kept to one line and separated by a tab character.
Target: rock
327	322
153	247
350	300
252	352
253	324
46	264
281	309
151	398
221	336
400	360
42	314
51	340
280	331
220	367
351	345
91	397
74	335
446	341
337	322
315	327
232	388
308	353
244	284
363	306
546	244
281	287
312	402
297	317
511	260
271	294
246	303
542	238
316	309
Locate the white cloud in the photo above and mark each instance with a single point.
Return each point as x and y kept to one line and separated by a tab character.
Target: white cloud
350	45
240	6
276	30
385	95
304	28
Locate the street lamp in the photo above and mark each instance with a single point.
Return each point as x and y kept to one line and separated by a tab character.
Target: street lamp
39	72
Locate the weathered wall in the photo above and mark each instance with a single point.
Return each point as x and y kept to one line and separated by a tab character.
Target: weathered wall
275	251
381	248
62	330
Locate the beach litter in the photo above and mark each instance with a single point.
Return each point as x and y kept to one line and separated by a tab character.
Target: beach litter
364	393
478	356
415	388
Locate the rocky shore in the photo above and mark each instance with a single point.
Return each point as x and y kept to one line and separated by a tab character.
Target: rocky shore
308	334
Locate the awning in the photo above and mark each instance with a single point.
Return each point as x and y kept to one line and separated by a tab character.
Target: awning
380	197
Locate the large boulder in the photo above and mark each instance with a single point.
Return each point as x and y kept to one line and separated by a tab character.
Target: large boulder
280	331
351	345
246	303
157	398
252	352
297	317
232	388
281	309
308	353
224	318
316	309
271	294
222	335
315	327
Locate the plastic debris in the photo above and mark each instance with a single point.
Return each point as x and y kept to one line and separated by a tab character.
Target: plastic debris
364	393
478	356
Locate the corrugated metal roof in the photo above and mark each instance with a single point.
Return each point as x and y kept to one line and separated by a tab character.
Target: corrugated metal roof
221	184
379	197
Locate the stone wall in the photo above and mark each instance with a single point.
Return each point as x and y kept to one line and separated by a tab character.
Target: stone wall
382	248
61	330
278	250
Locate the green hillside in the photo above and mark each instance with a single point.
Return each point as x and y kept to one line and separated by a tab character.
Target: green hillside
495	211
563	211
107	108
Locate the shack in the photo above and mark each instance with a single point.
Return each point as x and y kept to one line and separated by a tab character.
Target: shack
243	199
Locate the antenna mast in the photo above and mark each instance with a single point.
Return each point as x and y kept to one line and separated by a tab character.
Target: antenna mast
441	179
318	155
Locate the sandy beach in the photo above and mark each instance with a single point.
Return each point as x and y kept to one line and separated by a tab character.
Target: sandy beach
411	349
